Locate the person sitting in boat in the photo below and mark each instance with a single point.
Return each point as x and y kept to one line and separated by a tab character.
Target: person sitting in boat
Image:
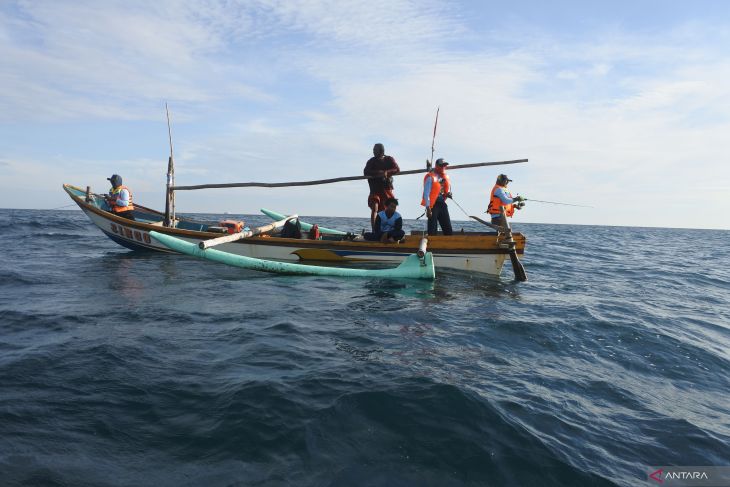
120	198
499	198
388	224
380	169
436	188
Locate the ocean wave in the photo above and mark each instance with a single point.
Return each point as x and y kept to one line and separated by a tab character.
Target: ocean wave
13	279
161	369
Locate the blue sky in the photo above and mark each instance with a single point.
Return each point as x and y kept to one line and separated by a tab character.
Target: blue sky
624	106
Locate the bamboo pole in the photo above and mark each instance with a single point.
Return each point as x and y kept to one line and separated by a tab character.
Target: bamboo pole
422	245
170	194
206	244
335	180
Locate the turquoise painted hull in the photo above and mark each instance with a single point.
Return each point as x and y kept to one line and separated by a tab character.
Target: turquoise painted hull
411	268
305	226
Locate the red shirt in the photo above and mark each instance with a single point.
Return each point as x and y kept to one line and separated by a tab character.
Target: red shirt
387	163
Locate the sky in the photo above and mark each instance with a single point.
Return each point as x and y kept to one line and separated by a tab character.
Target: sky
623	106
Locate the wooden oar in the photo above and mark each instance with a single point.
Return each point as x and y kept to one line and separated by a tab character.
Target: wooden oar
206	244
336	180
517	266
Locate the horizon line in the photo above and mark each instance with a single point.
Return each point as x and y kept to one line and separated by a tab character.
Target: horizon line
454	219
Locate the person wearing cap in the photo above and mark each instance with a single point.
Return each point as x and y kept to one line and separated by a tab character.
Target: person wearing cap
436	188
499	198
119	198
379	169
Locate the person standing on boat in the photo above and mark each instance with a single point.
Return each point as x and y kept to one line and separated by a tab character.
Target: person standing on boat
388	224
499	198
120	198
436	188
379	169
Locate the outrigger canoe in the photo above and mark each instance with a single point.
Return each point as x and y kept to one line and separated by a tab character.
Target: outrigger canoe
481	252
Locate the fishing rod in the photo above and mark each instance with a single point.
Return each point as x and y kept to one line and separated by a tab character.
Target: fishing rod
462	209
491	225
457	204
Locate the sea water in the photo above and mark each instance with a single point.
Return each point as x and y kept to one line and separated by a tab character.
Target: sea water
120	368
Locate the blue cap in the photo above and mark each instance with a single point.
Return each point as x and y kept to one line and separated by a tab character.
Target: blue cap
116	180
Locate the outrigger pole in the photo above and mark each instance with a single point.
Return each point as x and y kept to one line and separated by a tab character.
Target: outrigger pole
335	180
170	194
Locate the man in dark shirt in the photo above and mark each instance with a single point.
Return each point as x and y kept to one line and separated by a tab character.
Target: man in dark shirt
380	168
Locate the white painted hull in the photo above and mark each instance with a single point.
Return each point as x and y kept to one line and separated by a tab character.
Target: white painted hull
137	237
472	252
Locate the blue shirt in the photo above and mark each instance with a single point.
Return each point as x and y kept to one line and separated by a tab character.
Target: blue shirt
122	198
503	195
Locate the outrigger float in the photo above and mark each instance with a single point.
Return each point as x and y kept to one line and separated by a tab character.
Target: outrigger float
413	267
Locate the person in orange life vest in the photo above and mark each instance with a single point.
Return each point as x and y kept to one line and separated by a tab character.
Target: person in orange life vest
499	198
436	188
388	224
120	198
380	168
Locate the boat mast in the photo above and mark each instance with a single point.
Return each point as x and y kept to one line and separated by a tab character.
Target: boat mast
170	193
429	164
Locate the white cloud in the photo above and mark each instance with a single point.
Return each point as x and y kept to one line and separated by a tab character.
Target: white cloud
296	90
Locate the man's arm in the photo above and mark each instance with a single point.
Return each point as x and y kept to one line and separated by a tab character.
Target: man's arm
123	199
502	195
394	169
427	191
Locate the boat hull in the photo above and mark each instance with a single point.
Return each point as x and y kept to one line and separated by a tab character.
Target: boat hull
472	252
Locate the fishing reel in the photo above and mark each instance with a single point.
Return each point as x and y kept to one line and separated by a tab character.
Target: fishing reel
520	205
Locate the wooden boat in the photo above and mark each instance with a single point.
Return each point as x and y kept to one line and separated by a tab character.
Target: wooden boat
481	252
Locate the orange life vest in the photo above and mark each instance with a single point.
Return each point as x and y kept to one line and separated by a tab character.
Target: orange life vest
495	203
440	184
115	193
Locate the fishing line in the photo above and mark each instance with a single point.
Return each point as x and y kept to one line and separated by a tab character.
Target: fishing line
556	203
65	206
462	209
